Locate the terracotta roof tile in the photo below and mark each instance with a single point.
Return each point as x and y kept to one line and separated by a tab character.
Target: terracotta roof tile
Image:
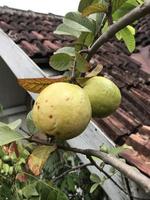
32	31
138	159
130	124
143	43
48	44
38	36
30	48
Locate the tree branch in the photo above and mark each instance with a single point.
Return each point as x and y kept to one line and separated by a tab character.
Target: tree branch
70	170
124	168
109	177
129	18
106	174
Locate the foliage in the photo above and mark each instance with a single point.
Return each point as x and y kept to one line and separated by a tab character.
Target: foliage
83	25
8	134
22	185
75	183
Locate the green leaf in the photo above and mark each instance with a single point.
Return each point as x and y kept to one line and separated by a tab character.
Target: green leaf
118	150
63	29
30	125
95	178
61	196
118	35
3	124
116	4
30	190
85	40
104	148
85	3
67	50
81	64
61	61
12	125
128	38
78	22
131	29
89	39
8	135
93	188
94	8
15	124
49	192
135	2
52	195
6	168
44	189
50	168
123	10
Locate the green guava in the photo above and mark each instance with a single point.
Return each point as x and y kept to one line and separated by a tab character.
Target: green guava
104	95
62	110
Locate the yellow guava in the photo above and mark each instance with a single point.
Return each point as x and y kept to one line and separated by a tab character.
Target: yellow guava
104	95
62	110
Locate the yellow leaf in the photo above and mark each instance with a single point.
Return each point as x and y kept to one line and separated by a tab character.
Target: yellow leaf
36	85
94	8
39	157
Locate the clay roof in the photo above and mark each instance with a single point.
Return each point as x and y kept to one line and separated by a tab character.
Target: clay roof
130	124
33	32
143	43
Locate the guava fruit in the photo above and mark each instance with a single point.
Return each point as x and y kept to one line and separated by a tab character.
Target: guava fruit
104	95
62	110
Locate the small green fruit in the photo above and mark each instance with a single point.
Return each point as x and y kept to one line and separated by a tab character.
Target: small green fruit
62	110
6	158
104	95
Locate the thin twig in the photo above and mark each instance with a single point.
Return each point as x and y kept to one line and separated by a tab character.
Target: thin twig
23	130
129	18
70	170
105	173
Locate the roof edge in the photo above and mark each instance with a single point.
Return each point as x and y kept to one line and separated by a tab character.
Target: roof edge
6	9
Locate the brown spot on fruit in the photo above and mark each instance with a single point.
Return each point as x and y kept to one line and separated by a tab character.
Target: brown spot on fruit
46	101
67	99
51	116
38	107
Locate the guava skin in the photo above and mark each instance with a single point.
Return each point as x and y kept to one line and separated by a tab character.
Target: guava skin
62	110
104	95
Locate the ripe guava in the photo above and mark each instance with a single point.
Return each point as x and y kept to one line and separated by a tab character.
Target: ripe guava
62	110
104	95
